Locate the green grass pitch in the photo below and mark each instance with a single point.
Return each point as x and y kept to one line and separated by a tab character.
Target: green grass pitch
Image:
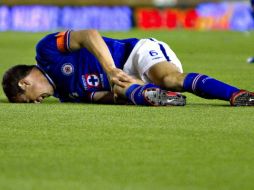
204	145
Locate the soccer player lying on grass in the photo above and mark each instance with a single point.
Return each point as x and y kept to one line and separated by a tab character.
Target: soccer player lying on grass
82	66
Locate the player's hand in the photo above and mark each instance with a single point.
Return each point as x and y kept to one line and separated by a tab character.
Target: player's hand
119	77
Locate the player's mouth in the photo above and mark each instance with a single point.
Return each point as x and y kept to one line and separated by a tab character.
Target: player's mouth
41	97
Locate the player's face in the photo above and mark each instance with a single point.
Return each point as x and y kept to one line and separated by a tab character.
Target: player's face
36	91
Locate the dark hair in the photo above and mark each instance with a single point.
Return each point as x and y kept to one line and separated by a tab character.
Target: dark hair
11	79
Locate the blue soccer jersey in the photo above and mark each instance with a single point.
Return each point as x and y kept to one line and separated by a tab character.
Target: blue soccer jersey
76	75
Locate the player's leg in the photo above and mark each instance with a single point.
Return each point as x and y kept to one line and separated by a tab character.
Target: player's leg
144	92
157	63
165	75
148	94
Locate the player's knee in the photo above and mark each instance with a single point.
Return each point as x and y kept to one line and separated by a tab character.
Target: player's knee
173	81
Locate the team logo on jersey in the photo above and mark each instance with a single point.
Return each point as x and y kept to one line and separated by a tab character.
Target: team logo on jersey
92	80
67	69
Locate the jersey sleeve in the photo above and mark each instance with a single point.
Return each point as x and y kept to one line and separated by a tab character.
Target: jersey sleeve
52	47
63	41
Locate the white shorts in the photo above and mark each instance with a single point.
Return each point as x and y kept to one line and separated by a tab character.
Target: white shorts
146	53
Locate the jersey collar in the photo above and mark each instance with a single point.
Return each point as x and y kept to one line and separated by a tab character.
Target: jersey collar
47	76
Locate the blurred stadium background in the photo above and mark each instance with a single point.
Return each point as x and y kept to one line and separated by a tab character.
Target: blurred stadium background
114	15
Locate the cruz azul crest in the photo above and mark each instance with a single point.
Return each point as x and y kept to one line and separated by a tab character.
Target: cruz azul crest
93	80
67	69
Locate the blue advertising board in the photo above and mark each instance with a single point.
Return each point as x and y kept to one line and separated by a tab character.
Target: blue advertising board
50	18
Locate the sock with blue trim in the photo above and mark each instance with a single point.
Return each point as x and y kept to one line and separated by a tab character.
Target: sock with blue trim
135	93
207	87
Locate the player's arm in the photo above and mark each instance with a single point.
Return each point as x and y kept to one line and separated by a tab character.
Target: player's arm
107	97
92	40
